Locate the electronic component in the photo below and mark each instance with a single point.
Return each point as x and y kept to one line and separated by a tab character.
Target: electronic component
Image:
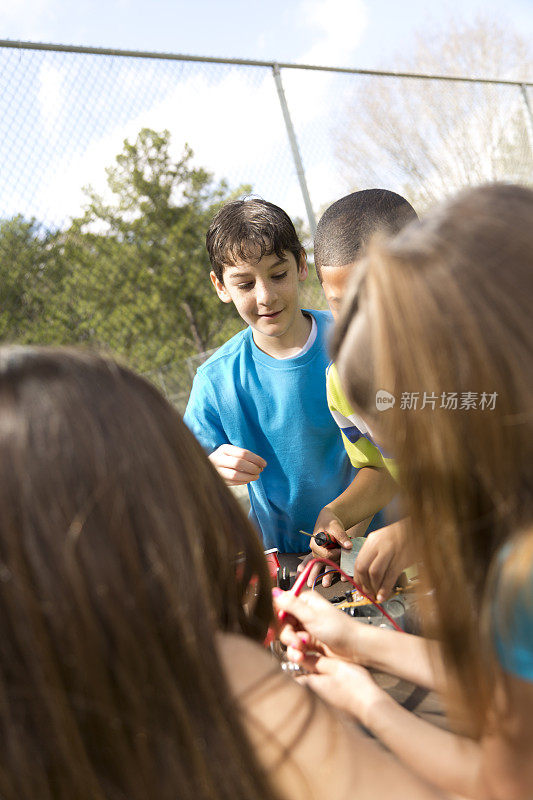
284	578
304	574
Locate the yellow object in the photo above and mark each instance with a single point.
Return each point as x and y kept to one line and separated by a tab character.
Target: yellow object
359	600
361	451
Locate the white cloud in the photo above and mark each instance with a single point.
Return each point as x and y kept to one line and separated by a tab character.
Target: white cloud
27	19
233	124
17	9
340	25
51	95
324	186
234	127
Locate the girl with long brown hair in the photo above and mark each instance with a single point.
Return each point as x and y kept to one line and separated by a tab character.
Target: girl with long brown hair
130	667
439	317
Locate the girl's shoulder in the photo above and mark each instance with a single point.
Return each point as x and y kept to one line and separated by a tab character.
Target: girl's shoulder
308	750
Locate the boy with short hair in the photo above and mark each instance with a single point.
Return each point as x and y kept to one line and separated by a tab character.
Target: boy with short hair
342	235
258	405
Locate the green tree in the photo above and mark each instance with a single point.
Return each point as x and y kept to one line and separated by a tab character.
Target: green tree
132	274
139	277
29	279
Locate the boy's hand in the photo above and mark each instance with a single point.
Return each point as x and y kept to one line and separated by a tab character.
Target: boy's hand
384	555
328	522
237	466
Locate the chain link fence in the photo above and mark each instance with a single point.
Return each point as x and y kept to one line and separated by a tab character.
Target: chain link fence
102	226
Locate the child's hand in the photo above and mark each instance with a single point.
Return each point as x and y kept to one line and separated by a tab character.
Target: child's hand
327	642
313	625
330	523
383	556
348	686
237	466
333	555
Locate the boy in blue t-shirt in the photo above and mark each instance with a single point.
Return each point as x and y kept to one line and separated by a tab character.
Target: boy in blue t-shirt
258	405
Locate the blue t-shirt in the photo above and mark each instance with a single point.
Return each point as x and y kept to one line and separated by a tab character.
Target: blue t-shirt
513	633
277	408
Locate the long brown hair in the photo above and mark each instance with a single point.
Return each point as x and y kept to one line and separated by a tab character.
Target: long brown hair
118	543
445	307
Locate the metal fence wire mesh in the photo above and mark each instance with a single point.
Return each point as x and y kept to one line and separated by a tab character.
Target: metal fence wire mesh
103	209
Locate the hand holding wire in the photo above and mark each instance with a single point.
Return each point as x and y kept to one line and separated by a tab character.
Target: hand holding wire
302	579
312	625
325	544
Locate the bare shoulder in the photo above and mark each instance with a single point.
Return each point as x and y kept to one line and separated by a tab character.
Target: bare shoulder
507	765
245	662
309	750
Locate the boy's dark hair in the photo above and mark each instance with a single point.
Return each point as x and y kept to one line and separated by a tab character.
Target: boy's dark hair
248	230
346	226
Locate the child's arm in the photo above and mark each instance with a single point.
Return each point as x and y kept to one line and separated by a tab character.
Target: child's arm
314	625
500	767
449	762
383	556
445	760
307	750
368	493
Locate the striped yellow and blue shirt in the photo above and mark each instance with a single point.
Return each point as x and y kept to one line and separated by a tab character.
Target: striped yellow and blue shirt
358	443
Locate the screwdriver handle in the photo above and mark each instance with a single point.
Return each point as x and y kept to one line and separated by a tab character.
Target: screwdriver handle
323	539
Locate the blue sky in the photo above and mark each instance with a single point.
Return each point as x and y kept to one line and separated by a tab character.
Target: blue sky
55	137
280	29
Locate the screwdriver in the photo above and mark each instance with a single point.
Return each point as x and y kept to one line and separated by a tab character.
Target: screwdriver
323	539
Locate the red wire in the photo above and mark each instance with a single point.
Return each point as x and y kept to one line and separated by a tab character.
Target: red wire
302	579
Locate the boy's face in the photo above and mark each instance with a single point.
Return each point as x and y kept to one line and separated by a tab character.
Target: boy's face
334	283
265	292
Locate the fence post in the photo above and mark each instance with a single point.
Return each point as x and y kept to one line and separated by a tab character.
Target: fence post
295	150
528	114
